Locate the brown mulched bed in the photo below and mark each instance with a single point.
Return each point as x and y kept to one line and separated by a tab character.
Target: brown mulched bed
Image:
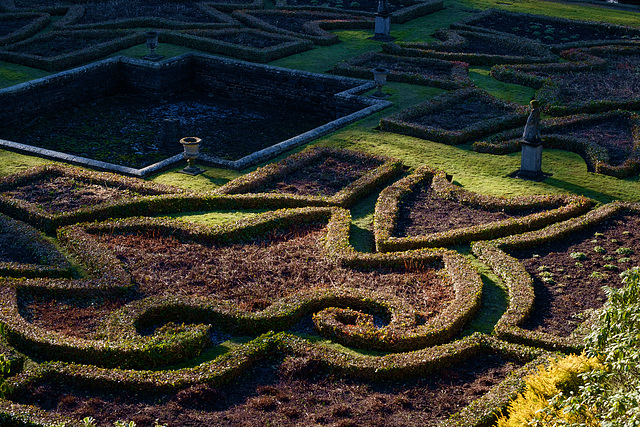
464	113
64	194
296	391
424	212
325	176
253	275
614	134
566	286
550	31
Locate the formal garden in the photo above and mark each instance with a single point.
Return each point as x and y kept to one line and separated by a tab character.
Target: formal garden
340	251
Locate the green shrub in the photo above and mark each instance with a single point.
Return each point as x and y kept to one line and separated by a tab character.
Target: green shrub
598	388
561	375
578	255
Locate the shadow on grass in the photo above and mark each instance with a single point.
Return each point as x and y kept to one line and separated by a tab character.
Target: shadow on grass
577	189
494	304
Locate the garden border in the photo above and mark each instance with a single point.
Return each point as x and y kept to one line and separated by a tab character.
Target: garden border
387	211
594	155
452	39
400	122
520	284
459	71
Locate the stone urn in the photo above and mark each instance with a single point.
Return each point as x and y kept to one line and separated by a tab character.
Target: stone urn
380	79
152	44
191	145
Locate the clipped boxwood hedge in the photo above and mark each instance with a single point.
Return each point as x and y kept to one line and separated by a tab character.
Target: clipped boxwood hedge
252	182
387	208
481	412
218	20
456	45
595	155
403	69
119	40
49	222
406	121
520	284
205	40
550	92
37	23
413	9
618	34
51	263
316	30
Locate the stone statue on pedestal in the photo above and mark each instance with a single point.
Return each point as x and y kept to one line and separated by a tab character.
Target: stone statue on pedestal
531	161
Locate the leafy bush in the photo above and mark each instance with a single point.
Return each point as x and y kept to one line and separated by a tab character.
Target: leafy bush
600	387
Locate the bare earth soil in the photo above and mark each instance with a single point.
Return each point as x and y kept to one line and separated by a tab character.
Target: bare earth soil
424	212
567	285
252	275
325	176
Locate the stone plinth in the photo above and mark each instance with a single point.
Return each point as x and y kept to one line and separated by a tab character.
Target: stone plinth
531	161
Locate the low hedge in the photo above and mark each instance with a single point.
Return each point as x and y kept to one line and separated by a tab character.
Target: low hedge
388	206
520	284
139	353
401	334
361	67
49	222
39	21
455	46
252	182
537	75
314	30
121	40
550	93
404	121
76	12
229	366
595	155
416	10
413	9
120	344
51	263
205	40
623	34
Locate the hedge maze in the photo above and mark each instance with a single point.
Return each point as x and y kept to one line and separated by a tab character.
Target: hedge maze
152	301
112	308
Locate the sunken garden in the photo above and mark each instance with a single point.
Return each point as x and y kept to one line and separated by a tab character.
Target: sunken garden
350	242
